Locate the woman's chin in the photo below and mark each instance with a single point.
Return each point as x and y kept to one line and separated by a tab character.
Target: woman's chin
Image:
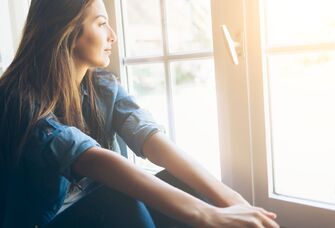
107	61
102	64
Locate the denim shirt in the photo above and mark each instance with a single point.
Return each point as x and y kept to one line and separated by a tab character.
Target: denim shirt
40	185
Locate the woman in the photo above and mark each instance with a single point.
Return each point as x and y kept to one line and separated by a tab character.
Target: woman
59	118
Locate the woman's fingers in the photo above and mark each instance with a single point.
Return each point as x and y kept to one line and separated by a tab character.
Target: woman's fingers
266	220
252	216
267	213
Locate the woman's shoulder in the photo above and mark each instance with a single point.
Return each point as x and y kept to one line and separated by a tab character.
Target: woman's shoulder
105	82
107	85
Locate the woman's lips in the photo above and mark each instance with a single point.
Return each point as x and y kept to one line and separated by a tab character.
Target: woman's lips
109	51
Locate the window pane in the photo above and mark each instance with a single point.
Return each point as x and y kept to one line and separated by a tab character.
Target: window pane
195	111
147	84
6	40
189	25
302	92
143	32
300	21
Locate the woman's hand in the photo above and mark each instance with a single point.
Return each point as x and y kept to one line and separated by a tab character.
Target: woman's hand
238	216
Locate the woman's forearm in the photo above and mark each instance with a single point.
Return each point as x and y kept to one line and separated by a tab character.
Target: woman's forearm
163	152
118	173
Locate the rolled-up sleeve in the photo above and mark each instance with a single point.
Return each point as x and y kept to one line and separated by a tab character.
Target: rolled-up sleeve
132	123
57	146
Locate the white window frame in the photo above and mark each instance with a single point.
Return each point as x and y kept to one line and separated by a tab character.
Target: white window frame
244	115
120	61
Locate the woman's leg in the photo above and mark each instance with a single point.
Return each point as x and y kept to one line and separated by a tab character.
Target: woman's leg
104	207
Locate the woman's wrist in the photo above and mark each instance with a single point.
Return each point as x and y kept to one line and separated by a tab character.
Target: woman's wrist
203	215
236	198
223	196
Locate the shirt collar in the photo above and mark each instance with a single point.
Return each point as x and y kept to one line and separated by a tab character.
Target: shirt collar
83	88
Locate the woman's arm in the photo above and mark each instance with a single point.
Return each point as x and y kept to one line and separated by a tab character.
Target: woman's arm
114	171
163	152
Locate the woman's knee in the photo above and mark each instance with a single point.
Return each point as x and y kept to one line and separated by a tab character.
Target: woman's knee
105	207
120	210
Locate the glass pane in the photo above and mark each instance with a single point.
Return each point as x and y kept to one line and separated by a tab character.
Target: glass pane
6	40
300	21
143	29
147	84
189	25
302	92
1	71
196	112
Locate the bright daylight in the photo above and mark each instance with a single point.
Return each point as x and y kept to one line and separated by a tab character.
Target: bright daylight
167	113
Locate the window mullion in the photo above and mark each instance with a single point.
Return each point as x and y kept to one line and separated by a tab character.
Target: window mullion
168	78
117	19
169	58
300	48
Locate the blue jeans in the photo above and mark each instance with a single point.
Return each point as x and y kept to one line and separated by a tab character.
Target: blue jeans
105	207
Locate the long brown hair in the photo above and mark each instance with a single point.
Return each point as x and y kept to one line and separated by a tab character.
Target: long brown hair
40	80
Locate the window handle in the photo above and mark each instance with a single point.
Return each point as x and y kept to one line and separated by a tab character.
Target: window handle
234	48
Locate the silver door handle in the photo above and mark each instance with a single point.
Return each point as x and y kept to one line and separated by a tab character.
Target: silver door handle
232	45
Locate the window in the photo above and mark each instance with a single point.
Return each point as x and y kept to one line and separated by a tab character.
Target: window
280	110
168	63
13	15
301	58
1	67
6	43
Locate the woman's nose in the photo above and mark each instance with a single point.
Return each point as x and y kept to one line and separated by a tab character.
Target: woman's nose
112	36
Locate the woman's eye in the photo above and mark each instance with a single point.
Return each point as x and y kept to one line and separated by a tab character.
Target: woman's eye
102	24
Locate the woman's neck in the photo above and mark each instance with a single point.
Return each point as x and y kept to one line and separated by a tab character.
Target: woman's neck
80	71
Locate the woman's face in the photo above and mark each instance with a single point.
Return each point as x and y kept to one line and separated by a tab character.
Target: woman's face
95	44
